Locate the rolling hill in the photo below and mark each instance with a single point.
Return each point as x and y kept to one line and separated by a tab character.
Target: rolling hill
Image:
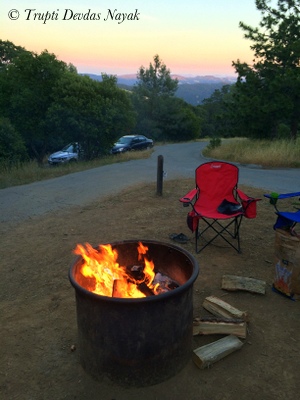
191	89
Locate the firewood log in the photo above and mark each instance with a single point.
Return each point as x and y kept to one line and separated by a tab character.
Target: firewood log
209	354
234	283
220	326
220	308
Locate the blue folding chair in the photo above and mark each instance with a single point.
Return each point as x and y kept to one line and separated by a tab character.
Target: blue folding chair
285	219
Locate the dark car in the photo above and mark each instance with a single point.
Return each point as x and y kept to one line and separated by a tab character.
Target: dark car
132	142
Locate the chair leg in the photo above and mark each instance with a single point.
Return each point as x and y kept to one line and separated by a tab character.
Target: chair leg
224	229
197	236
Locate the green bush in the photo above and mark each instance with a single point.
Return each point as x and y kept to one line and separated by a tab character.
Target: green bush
215	142
12	146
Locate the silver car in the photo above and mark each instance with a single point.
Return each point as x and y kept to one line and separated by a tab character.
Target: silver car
69	153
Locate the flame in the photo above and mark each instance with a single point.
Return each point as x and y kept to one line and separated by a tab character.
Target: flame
100	272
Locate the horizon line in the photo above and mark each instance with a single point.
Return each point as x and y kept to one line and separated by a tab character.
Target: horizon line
185	75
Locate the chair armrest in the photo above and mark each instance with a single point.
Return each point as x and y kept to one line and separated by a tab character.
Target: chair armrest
244	197
273	197
282	196
189	196
248	204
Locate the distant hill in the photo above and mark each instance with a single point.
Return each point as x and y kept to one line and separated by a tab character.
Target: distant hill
191	89
195	93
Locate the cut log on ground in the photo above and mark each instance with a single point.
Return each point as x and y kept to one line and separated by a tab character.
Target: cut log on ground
209	354
234	283
220	308
219	326
196	323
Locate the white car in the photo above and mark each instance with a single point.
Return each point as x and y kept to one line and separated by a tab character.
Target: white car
69	153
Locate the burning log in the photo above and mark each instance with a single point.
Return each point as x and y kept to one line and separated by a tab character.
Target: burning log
234	283
117	291
136	272
219	326
136	282
142	287
101	273
163	283
220	308
209	354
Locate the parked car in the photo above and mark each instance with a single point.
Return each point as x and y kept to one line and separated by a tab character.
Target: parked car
69	153
132	142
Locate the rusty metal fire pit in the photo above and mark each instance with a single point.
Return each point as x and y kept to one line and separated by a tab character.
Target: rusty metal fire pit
138	341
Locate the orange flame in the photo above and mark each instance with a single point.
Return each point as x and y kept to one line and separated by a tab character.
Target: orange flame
100	272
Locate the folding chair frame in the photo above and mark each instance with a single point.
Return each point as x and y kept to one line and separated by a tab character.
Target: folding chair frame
234	234
288	218
223	224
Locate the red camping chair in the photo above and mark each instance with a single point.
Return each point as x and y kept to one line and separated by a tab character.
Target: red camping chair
218	202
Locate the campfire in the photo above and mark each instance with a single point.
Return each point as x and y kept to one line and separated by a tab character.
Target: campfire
100	273
134	303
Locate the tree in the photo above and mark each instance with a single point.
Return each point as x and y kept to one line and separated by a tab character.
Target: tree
217	121
269	90
160	114
152	84
155	81
92	113
9	52
26	86
49	104
12	146
176	120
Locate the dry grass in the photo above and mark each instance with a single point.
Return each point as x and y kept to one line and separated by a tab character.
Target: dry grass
279	153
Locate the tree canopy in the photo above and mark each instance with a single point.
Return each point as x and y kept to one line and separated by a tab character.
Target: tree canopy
92	113
12	146
160	114
268	91
9	52
156	80
48	103
27	85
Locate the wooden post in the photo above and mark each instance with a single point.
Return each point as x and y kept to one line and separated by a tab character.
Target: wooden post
160	173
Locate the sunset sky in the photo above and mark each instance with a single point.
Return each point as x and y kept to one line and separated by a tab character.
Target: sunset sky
195	37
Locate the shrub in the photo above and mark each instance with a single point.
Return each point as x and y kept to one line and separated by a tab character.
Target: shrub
215	142
12	146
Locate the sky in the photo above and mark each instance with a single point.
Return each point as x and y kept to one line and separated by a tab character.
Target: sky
194	37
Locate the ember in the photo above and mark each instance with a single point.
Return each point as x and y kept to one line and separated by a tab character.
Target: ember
101	273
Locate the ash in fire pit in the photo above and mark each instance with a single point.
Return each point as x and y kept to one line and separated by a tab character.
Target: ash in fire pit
135	314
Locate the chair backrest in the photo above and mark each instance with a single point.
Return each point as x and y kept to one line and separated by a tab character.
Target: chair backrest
216	181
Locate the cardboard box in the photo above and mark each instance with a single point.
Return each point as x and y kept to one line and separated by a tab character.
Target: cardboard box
287	263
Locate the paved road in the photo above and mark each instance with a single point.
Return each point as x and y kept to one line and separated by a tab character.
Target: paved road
180	160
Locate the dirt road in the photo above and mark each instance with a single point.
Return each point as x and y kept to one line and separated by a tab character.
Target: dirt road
180	161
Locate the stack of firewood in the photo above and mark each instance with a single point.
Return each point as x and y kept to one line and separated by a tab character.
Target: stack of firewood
225	320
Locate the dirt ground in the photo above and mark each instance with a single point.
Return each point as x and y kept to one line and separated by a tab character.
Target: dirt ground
37	303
